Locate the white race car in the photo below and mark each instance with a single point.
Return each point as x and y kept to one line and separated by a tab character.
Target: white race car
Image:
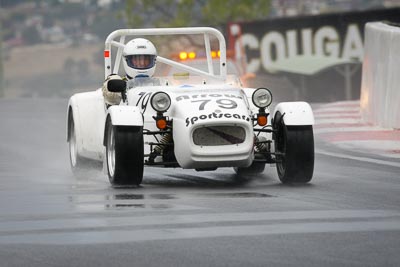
193	120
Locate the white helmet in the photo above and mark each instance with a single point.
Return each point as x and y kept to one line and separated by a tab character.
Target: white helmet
140	58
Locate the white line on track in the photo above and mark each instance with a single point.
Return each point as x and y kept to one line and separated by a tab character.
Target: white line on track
336	110
103	237
346	129
370	160
337	120
337	116
38	225
114	230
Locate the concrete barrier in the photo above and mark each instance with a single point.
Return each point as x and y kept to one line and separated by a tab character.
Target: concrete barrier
380	87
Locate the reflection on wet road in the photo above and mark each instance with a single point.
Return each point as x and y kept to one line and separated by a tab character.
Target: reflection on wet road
137	201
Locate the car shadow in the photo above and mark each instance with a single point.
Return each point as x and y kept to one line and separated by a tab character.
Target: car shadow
198	180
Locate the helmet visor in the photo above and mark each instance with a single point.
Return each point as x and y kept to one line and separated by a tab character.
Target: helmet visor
141	62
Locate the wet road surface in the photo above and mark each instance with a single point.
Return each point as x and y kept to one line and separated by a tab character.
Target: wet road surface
348	216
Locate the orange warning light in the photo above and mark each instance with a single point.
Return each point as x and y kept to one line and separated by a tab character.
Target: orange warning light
161	124
262	120
192	55
183	55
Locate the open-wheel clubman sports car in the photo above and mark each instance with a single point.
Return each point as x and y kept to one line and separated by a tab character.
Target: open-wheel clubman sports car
196	119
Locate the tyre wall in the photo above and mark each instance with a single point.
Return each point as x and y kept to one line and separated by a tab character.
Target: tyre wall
380	86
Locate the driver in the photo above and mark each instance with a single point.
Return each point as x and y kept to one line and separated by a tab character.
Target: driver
139	60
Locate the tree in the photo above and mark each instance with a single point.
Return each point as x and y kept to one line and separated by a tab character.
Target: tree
217	12
31	35
105	23
179	13
186	13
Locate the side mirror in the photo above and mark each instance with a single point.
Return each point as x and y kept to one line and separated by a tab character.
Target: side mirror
116	86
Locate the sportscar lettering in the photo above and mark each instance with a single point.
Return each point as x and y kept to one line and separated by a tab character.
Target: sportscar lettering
186	97
215	115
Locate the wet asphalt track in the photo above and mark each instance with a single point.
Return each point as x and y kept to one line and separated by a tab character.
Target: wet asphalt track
348	216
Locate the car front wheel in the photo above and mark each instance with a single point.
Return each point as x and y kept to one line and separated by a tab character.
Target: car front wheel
294	147
124	154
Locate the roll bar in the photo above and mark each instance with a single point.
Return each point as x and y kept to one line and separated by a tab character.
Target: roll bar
206	31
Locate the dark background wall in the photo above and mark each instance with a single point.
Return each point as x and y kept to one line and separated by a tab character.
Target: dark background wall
338	35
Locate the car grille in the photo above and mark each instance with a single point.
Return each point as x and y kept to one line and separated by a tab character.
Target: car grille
219	135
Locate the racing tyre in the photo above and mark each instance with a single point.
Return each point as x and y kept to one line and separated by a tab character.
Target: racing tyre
79	165
124	154
294	146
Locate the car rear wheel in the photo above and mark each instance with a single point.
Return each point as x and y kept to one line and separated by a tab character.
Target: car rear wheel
124	154
79	165
294	147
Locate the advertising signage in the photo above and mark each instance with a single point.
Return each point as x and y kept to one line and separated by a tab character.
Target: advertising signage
334	36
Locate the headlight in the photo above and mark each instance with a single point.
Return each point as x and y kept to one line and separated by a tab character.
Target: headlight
262	98
160	102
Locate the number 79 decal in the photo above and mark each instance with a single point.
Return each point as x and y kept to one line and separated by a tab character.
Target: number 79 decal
222	103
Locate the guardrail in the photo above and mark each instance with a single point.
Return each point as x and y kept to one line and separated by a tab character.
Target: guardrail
380	87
